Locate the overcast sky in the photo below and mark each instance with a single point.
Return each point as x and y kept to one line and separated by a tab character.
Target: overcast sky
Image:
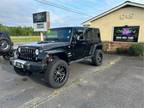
19	12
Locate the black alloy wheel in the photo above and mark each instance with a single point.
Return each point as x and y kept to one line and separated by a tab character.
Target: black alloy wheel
97	58
60	74
57	73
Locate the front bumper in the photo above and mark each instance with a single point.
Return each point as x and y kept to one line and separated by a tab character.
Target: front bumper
28	65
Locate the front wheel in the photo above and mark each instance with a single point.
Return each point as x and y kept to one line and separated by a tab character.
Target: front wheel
97	58
57	73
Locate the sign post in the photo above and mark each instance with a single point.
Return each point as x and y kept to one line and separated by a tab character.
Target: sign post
41	36
41	23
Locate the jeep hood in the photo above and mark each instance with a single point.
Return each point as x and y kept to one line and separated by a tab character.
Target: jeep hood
46	45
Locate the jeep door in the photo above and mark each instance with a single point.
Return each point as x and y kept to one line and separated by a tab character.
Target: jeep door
79	44
88	41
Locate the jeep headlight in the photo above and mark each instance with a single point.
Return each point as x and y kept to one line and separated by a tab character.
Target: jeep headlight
37	52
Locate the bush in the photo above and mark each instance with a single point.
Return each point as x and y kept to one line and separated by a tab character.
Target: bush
136	50
121	51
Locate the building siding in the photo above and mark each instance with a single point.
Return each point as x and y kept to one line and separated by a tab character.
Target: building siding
131	16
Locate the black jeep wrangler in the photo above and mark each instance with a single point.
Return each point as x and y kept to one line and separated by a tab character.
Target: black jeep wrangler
5	45
61	46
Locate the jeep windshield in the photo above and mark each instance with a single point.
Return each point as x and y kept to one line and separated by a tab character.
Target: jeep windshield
58	35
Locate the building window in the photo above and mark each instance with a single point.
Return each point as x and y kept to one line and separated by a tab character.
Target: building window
126	34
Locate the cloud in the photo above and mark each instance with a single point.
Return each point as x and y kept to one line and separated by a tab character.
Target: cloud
56	18
15	12
138	1
19	12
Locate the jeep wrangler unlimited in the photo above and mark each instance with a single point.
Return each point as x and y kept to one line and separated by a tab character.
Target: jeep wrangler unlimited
61	47
5	45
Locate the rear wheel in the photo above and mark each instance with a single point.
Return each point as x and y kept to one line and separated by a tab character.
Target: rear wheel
19	71
97	58
57	73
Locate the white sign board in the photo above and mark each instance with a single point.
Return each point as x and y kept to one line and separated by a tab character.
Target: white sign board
41	21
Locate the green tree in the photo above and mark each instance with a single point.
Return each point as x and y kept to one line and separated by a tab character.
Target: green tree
18	31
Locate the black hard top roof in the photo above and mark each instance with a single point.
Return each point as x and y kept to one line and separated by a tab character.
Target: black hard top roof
74	27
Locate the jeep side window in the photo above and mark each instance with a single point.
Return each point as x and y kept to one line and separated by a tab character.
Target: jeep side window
89	35
79	35
92	35
97	35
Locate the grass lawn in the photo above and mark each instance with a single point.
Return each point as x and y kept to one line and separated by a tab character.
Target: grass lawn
18	39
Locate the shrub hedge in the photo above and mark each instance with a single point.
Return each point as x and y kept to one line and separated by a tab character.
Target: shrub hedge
134	50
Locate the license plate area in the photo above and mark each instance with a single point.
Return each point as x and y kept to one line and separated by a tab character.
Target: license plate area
19	64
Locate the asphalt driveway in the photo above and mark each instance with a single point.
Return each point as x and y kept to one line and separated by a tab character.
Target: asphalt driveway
118	83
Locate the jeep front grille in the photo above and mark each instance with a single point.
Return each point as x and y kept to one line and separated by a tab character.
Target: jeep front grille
27	53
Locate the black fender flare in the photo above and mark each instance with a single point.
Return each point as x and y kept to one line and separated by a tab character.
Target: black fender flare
97	46
60	53
55	51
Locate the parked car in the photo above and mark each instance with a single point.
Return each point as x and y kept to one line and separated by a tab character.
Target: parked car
60	48
5	45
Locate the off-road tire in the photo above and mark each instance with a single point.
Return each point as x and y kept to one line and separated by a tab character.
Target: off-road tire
97	58
51	73
6	57
7	47
20	71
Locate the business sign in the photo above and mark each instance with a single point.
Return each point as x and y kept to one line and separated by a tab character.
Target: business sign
41	21
126	33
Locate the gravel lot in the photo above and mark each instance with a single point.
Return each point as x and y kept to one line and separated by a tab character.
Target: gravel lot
118	83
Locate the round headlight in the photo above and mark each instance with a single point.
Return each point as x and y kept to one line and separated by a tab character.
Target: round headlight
19	49
37	52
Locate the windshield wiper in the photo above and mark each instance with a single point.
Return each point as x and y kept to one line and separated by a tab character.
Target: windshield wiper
46	41
41	42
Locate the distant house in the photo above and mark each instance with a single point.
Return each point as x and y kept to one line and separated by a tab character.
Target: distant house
121	26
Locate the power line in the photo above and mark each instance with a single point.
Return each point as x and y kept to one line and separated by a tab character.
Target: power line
85	6
45	2
62	7
73	6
